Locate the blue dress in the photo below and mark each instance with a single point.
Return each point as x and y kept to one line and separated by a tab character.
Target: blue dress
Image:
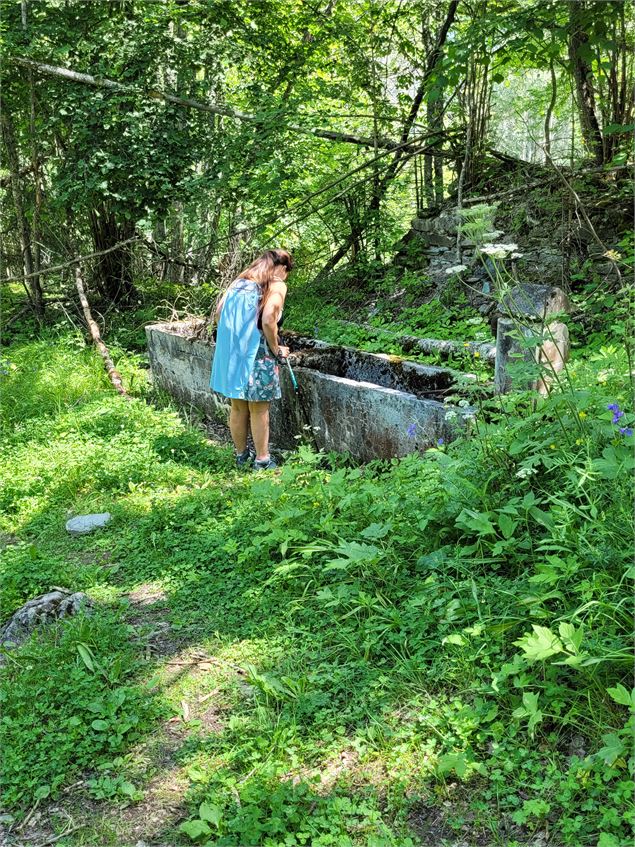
243	367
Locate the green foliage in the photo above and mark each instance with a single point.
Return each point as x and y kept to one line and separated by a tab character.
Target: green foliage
69	702
596	300
317	314
267	811
459	617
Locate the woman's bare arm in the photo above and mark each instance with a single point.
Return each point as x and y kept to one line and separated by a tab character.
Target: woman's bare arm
271	315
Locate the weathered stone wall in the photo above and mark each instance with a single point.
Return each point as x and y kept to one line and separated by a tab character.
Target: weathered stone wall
182	365
548	253
363	419
344	414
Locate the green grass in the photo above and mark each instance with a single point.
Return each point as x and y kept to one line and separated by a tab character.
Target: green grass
442	637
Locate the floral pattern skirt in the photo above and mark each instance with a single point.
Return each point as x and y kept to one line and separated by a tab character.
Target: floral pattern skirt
264	380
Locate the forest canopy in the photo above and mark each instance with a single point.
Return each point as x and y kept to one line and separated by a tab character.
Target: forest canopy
214	127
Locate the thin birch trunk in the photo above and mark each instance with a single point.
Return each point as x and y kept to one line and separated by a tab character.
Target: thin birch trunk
113	374
550	108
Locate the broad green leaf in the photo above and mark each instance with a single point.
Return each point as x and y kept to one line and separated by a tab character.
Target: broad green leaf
622	695
454	638
571	637
196	773
539	645
613	748
541	517
530	702
86	655
212	814
376	530
612	129
534	720
127	789
452	762
476	521
195	829
507	525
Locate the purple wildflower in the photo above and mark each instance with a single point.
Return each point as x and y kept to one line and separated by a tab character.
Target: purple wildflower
626	431
440	442
412	429
617	413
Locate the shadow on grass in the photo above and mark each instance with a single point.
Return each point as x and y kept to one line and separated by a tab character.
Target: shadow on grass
205	546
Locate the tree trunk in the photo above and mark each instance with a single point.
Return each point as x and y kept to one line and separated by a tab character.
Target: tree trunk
35	164
438	160
160	267
428	178
13	161
373	211
582	76
177	248
550	108
114	270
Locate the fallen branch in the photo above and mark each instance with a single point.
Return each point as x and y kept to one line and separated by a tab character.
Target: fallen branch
113	374
112	85
66	832
17	315
580	208
198	659
484	350
544	181
154	248
431	346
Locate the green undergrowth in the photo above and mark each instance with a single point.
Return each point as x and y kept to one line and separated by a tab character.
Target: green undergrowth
70	700
442	637
370	318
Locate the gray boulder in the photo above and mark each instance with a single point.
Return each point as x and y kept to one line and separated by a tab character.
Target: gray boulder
83	524
534	302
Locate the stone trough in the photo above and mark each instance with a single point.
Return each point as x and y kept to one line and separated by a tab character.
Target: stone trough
348	401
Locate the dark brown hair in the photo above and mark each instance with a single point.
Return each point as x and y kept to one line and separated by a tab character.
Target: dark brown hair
262	271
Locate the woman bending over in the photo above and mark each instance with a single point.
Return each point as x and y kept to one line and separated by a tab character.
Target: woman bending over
248	352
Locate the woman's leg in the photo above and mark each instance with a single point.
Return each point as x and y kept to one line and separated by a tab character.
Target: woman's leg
259	417
239	423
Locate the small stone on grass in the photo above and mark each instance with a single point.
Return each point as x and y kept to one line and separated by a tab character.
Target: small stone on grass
83	524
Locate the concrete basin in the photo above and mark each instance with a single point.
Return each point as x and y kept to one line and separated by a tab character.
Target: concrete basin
347	400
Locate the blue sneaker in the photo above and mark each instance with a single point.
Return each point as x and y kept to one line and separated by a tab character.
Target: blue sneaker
267	464
245	458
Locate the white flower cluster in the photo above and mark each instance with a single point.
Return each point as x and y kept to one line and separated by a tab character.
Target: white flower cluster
523	473
456	269
500	251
